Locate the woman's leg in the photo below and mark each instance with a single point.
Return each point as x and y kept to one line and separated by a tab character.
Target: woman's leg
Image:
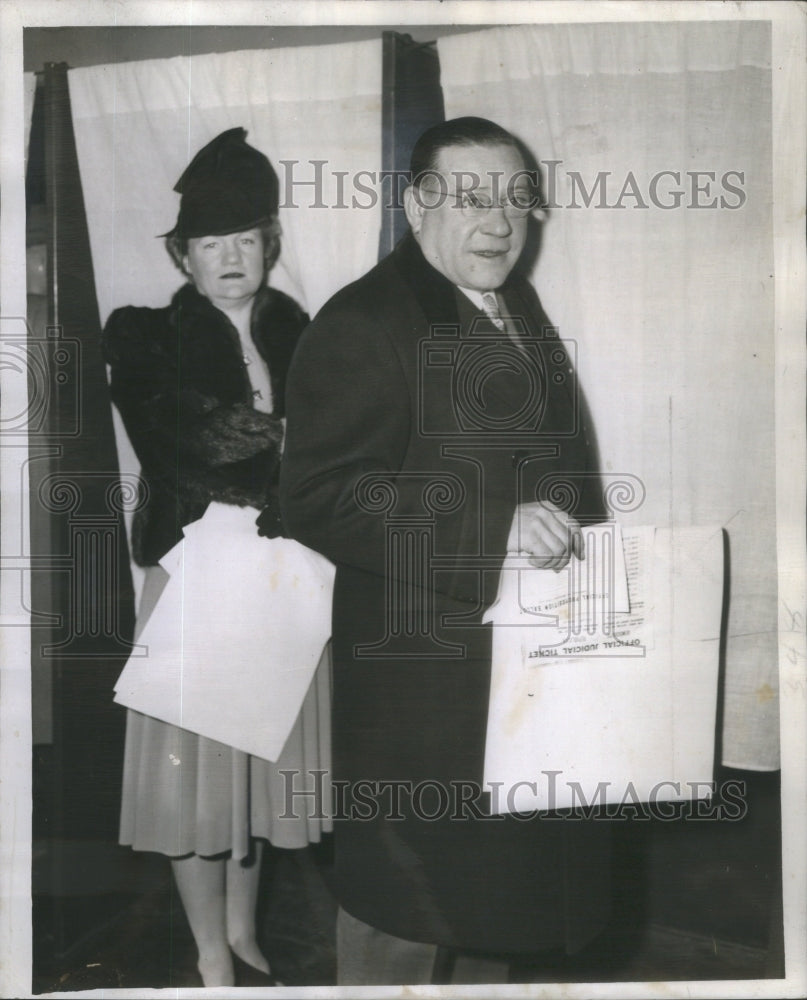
202	887
242	900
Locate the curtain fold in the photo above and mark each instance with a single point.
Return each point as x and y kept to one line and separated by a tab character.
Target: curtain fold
82	495
76	490
656	260
412	101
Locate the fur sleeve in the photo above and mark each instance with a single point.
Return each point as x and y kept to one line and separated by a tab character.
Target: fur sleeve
187	439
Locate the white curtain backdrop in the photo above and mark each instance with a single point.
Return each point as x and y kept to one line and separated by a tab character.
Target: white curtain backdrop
138	124
671	308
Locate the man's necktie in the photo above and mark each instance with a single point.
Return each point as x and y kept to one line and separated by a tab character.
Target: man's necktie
490	303
491	307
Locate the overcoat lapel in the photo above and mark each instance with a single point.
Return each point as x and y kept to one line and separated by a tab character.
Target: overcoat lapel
433	292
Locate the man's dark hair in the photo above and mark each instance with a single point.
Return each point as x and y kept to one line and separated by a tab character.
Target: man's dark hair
456	132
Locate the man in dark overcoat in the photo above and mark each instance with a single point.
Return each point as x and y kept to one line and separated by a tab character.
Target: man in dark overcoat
434	424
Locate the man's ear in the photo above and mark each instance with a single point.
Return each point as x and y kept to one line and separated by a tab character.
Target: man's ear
413	207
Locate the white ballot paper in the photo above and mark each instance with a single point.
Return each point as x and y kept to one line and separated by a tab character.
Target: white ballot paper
233	643
604	675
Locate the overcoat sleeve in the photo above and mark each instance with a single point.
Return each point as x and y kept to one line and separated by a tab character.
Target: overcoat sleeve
348	409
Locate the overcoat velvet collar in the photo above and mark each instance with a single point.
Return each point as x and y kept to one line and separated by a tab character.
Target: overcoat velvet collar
435	294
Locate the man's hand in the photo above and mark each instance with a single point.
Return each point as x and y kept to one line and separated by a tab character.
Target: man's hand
545	533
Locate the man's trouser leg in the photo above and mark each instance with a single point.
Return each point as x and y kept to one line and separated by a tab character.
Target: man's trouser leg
367	956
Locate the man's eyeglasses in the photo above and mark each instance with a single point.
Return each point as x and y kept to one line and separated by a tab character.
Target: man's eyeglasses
516	204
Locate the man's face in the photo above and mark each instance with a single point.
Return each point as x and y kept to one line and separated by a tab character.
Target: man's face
473	248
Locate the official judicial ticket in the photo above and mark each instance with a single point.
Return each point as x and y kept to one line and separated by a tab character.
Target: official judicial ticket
604	675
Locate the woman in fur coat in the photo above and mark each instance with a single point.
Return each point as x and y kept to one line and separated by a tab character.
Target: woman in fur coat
200	387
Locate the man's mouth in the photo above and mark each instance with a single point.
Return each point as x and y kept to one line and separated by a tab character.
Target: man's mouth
232	274
491	253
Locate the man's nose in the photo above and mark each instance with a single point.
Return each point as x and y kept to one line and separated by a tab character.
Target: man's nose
496	222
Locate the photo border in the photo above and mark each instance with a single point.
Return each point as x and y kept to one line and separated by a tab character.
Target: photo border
789	78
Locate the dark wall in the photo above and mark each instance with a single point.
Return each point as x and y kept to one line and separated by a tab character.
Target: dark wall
98	46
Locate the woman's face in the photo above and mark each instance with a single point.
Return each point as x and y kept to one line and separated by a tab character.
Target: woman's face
228	270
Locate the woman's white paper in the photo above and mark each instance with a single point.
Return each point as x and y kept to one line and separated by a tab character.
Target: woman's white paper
232	646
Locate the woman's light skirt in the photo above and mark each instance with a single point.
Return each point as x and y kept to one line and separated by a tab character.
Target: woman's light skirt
185	793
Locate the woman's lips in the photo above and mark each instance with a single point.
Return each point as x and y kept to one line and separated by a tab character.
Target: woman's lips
232	274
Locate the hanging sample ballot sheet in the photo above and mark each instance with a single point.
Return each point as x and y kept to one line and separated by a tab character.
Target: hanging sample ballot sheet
604	675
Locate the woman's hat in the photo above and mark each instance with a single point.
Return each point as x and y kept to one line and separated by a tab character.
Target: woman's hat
227	187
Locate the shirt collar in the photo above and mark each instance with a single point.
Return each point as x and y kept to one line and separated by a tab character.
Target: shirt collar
475	296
